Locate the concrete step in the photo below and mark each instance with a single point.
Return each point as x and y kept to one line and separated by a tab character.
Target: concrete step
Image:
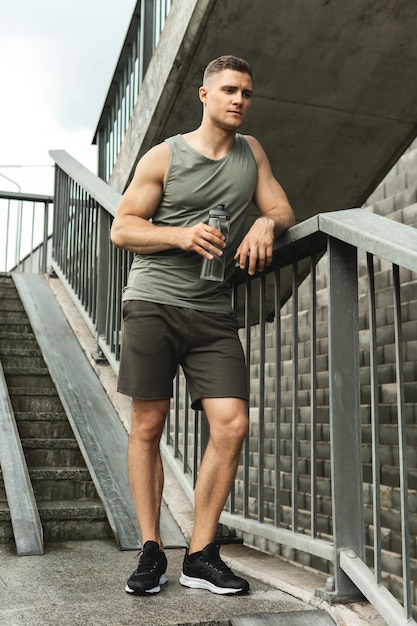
68	520
13	315
29	377
52	452
15	326
16	358
24	340
43	424
71	520
25	400
59	483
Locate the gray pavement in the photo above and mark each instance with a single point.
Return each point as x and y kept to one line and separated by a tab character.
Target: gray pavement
82	583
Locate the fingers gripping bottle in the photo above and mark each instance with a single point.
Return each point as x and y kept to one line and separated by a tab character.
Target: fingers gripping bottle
213	269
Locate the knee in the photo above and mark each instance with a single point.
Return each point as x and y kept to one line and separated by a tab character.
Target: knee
240	427
146	432
147	426
233	430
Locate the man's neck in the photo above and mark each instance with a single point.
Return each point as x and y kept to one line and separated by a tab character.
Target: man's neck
212	143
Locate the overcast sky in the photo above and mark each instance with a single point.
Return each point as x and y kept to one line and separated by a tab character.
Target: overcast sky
57	59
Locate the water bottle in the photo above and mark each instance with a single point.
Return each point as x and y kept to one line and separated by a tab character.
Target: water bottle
213	269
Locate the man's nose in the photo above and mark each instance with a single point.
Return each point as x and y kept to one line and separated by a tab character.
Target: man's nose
238	97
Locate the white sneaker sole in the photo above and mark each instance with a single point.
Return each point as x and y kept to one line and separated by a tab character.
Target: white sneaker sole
200	583
163	579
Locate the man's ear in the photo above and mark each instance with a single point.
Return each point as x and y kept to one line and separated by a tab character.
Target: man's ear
202	94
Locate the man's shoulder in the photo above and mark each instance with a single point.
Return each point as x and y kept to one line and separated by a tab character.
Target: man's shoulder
255	146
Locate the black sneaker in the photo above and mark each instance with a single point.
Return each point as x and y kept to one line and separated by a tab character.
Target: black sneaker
206	570
150	573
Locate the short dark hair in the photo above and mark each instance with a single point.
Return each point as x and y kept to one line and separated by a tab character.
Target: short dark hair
227	62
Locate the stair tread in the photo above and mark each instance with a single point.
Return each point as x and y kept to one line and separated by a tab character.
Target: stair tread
42	442
45	416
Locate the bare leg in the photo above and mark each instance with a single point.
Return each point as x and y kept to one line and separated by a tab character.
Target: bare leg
228	420
145	465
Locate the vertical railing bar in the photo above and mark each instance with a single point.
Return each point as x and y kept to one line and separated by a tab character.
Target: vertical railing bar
6	252
108	148
19	233
186	430
248	329
197	442
95	258
278	365
114	295
261	422
113	252
65	208
345	423
176	415
32	237
88	256
294	427
45	237
115	302
74	237
90	222
84	248
376	460
232	498
313	393
402	444
167	428
117	296
77	248
70	230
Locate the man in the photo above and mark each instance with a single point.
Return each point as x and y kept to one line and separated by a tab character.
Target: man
172	317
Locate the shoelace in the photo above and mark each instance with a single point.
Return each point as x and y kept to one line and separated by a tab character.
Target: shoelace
220	566
147	562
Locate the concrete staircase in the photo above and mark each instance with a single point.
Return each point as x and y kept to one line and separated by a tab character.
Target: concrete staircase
67	500
395	198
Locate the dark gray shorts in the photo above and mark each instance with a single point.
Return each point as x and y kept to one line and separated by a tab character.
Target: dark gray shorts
157	338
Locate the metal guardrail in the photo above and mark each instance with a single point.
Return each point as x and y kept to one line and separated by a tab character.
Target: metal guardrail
300	483
24	514
26	227
142	37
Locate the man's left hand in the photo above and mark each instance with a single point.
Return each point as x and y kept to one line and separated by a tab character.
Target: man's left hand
255	250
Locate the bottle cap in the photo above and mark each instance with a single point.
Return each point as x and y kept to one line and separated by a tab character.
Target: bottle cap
219	211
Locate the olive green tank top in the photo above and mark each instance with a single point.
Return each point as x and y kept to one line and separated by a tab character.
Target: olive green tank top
194	185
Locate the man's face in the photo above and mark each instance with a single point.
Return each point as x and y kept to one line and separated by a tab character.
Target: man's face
227	97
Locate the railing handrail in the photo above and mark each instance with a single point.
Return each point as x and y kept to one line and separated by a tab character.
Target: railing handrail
357	227
105	195
361	229
30	197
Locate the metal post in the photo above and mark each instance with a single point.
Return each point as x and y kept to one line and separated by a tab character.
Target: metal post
103	258
345	426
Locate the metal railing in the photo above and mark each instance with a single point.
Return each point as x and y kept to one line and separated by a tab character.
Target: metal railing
142	37
328	375
25	233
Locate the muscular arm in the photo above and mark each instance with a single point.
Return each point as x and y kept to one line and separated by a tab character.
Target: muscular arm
255	250
131	227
